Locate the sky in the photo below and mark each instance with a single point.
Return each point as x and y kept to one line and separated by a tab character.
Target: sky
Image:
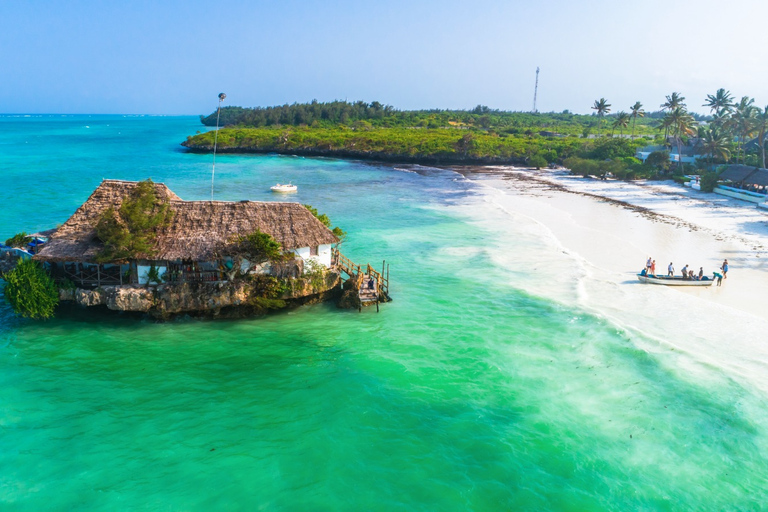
173	58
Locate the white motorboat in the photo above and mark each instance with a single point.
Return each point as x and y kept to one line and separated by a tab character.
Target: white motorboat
675	281
284	188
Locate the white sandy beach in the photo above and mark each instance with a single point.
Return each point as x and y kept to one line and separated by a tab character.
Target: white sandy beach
568	244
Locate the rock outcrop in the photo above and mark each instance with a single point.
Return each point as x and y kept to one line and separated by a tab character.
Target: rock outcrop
228	298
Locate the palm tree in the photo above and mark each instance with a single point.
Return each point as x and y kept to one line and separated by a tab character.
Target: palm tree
674	100
715	144
602	107
683	125
621	122
743	123
665	124
761	124
720	102
637	111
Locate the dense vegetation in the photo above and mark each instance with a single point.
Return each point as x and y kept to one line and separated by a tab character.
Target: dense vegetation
361	116
404	144
486	136
257	247
130	231
30	291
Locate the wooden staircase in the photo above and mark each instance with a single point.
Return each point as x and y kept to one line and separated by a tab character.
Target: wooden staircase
372	286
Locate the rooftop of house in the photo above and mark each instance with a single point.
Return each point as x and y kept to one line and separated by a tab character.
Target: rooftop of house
198	231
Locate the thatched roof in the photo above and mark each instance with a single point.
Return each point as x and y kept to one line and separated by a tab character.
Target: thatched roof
737	173
759	178
199	230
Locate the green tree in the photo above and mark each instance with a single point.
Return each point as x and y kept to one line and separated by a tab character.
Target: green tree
683	125
715	144
30	291
340	233
537	161
743	123
720	102
18	240
709	181
130	231
621	122
582	166
672	103
637	111
259	247
761	123
658	160
602	107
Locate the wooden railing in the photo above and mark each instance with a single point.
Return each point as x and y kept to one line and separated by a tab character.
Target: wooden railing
356	271
93	275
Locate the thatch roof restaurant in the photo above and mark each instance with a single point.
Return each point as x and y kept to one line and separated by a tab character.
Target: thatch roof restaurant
199	231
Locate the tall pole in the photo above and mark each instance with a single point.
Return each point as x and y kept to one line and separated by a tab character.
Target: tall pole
216	140
536	89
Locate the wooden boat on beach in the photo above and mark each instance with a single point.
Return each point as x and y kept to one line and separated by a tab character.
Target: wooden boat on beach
674	281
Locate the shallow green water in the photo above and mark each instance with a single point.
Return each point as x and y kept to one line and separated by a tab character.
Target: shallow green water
462	394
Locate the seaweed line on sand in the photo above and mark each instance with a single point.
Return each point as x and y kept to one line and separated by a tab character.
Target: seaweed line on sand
541	183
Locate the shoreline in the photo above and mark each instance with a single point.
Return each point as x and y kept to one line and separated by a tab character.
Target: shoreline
645	198
581	242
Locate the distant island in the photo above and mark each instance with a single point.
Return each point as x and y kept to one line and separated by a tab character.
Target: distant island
628	144
379	132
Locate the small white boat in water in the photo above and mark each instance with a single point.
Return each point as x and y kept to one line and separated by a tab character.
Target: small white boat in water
674	281
283	188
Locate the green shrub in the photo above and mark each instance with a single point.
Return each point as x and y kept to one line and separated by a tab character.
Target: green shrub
267	287
709	181
315	272
658	160
153	275
18	240
319	216
537	161
259	247
30	291
340	233
130	231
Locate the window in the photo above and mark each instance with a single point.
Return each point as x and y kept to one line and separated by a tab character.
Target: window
313	251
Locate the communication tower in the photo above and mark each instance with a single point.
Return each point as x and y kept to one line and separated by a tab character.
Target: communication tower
536	90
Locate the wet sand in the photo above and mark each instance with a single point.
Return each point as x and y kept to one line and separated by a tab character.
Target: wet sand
597	236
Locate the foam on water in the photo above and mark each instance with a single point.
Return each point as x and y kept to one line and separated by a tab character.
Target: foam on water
579	267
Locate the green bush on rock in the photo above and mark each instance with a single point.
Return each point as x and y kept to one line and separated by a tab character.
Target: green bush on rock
30	291
18	240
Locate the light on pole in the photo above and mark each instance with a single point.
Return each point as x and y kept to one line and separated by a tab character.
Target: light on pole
216	139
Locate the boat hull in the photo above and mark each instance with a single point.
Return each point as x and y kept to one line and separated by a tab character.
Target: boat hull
673	281
283	189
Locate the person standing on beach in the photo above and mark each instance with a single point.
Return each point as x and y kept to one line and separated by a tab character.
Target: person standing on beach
719	277
670	270
724	268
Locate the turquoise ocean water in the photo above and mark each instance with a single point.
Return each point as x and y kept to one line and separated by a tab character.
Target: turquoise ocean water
463	394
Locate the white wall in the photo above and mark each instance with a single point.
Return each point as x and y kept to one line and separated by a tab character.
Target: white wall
323	254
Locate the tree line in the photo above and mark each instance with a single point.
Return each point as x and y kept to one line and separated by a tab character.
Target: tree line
362	115
733	132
